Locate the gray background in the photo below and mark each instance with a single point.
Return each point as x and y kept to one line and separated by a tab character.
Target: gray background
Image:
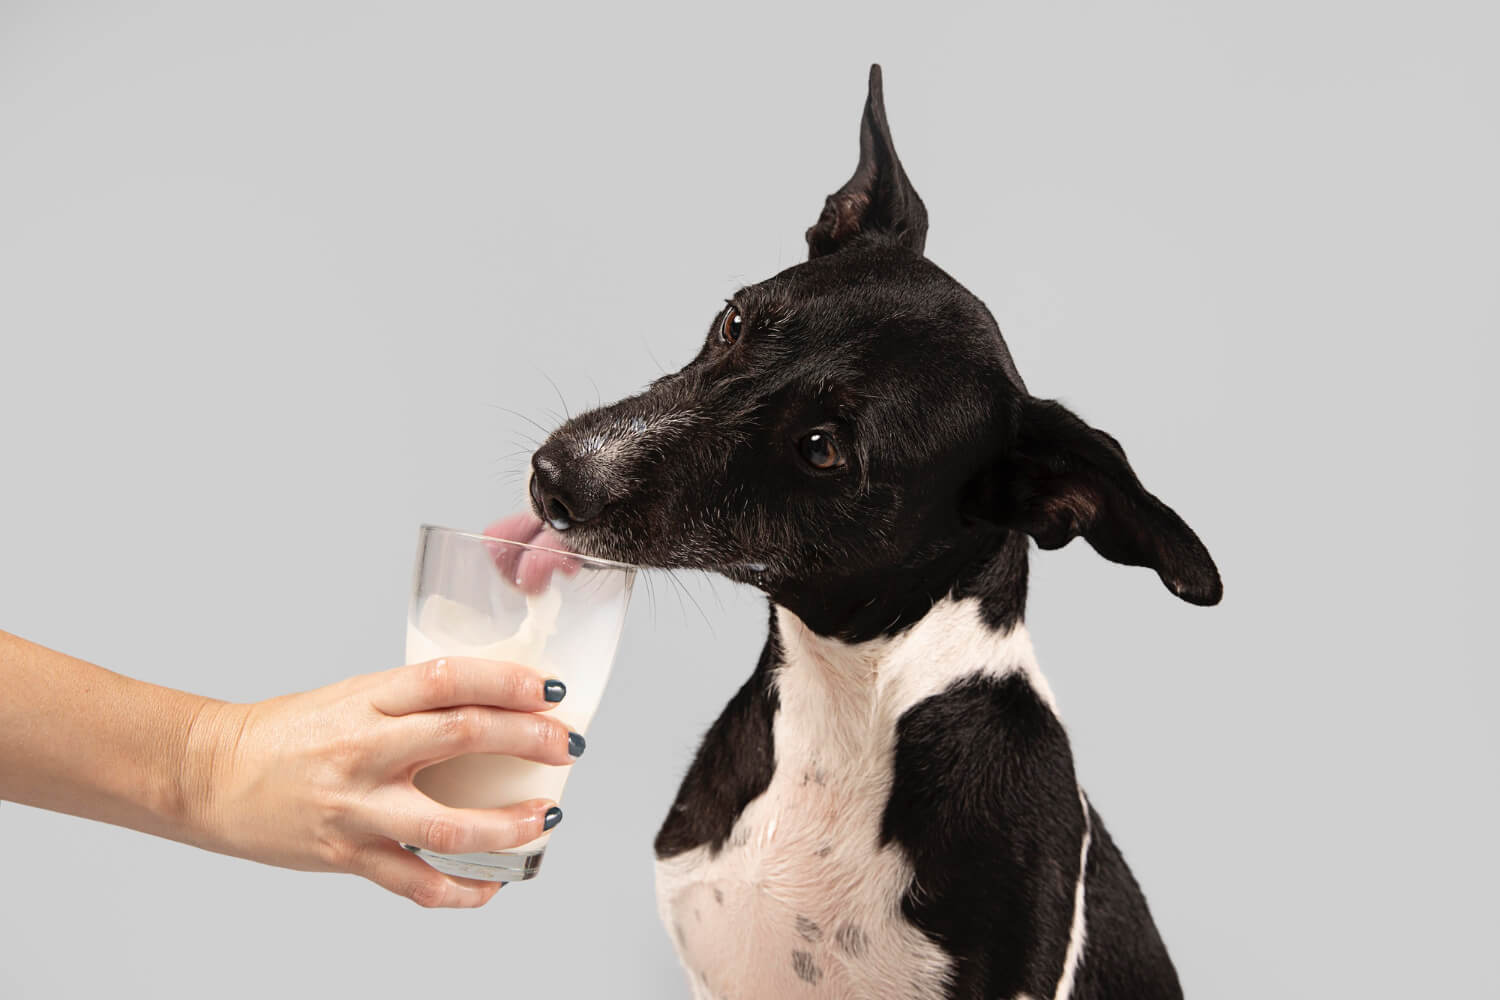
268	277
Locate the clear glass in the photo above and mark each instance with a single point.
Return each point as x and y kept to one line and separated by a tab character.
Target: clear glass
555	612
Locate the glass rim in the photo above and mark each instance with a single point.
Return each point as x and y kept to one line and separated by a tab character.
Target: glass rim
593	562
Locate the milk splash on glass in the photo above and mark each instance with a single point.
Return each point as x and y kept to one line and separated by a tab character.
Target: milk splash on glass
464	605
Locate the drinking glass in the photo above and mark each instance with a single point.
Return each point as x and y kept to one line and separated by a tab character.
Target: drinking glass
556	612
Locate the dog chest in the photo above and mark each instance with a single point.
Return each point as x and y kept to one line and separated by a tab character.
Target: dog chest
800	896
803	899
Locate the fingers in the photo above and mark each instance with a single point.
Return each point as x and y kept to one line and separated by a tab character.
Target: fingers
421	822
462	680
387	865
422	738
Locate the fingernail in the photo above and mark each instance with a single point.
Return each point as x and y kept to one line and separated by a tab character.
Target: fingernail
553	817
576	743
554	690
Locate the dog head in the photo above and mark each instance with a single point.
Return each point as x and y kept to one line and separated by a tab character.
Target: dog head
856	414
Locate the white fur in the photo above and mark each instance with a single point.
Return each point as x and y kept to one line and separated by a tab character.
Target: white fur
1078	933
614	443
802	893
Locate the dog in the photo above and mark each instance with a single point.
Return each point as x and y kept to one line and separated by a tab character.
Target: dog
888	807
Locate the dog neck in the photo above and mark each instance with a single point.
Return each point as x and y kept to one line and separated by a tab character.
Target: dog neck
854	692
987	565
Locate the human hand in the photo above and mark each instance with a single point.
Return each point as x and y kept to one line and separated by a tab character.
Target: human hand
322	780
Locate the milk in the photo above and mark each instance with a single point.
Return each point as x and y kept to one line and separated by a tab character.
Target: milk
444	627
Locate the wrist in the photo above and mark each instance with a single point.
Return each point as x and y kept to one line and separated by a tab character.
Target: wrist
197	801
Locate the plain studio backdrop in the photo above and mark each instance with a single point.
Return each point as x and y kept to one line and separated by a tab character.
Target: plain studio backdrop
281	282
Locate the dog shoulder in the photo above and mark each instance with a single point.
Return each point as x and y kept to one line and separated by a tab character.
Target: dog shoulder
990	745
985	803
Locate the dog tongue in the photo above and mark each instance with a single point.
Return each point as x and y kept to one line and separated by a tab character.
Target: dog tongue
531	569
524	527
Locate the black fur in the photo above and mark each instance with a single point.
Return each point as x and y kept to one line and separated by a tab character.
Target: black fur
945	464
733	766
986	805
1125	956
878	198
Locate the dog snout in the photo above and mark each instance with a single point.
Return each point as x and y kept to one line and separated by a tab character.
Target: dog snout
564	492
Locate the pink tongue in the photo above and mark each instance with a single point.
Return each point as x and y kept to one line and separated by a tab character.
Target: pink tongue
523	526
530	569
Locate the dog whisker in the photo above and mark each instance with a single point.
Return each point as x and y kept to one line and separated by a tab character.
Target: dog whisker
558	391
684	592
518	413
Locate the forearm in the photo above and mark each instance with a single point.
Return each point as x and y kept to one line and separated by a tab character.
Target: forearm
80	739
319	780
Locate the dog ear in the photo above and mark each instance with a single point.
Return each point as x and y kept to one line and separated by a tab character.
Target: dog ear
878	198
1064	478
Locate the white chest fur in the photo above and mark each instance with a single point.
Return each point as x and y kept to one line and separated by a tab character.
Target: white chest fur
803	900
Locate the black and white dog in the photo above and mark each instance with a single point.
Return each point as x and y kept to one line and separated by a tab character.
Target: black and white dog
888	807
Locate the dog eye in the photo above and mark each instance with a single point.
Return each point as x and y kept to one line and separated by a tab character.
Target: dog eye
730	325
820	451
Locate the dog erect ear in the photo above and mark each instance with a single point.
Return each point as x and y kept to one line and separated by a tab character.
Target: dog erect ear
878	198
1065	479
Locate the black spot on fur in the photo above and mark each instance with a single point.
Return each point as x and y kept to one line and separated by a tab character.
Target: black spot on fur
985	805
808	930
851	940
718	895
806	969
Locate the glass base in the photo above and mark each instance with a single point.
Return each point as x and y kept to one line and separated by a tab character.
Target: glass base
486	866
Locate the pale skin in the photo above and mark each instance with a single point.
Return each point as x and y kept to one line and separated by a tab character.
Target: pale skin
316	781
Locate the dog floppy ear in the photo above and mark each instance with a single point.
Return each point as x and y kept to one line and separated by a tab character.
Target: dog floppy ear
1064	478
878	198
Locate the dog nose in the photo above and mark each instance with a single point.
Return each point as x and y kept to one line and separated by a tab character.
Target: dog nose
563	496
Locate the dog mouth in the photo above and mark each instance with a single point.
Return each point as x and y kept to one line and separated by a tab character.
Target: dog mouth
554	526
596	539
603	528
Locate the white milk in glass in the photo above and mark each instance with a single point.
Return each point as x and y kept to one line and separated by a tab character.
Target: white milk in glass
444	627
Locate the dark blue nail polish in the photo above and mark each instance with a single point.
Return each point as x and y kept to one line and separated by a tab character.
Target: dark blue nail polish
576	743
553	817
554	690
